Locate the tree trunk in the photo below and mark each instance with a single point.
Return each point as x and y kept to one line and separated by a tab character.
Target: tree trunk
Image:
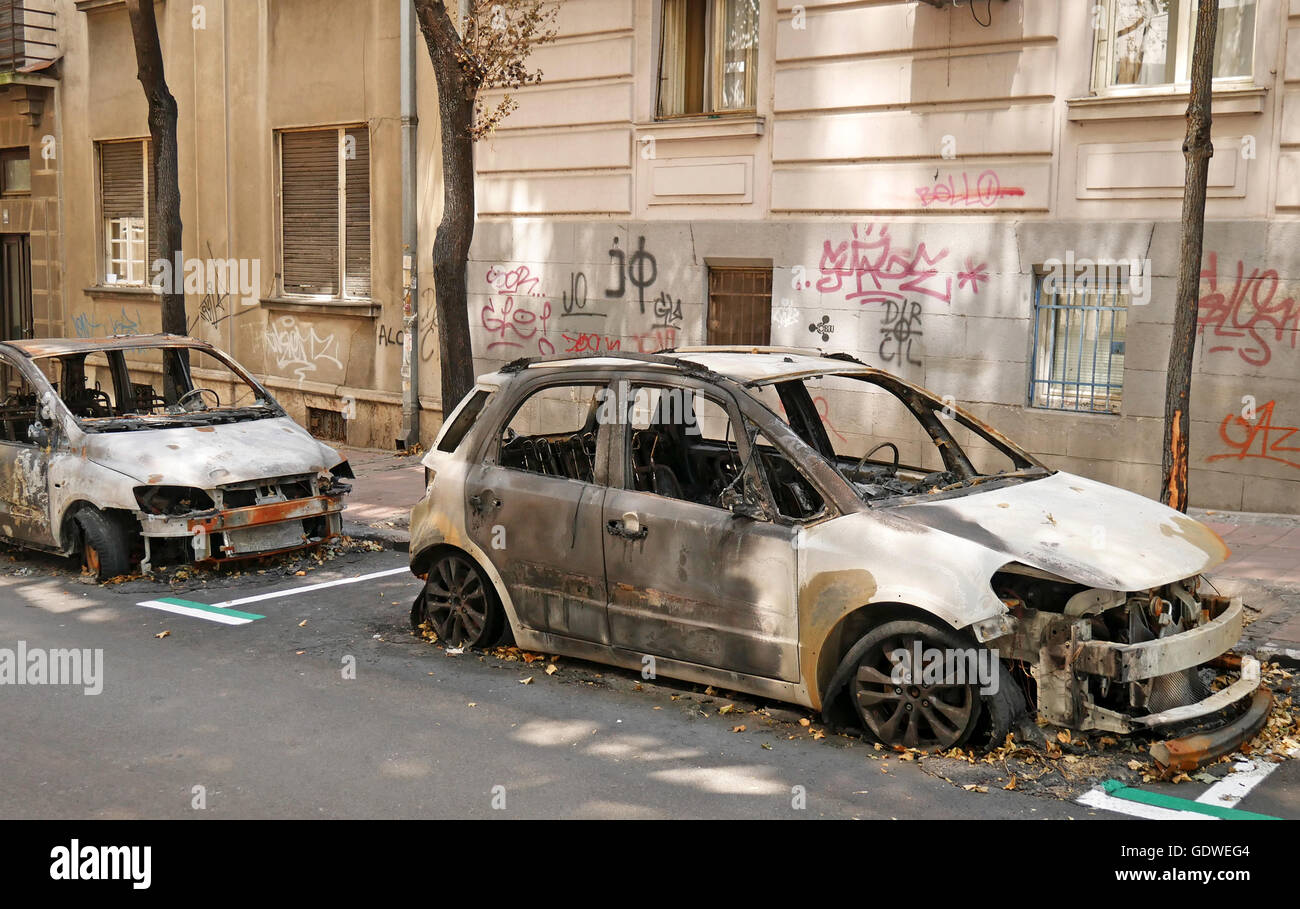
456	230
1198	150
165	208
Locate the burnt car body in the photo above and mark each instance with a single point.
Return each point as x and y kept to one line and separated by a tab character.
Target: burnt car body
765	556
119	449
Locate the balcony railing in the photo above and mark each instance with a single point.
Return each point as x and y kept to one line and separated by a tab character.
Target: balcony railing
27	36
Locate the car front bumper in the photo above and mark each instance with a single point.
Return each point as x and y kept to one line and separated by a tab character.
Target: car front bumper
255	530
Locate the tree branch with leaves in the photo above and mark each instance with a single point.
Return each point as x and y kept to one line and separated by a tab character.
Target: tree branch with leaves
487	51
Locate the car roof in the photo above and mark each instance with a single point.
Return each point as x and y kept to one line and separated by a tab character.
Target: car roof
747	365
56	347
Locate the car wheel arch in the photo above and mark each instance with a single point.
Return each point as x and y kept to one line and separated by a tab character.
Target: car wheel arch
421	562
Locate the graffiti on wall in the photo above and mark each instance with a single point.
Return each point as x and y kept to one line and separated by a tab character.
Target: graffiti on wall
518	323
1249	318
87	326
298	348
986	191
641	269
900	325
1259	438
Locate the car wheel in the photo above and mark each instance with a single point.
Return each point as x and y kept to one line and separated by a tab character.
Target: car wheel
901	704
105	549
458	603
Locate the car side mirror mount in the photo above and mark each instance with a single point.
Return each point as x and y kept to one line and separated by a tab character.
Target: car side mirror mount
39	435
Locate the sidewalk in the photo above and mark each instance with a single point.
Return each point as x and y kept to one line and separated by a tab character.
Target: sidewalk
1264	568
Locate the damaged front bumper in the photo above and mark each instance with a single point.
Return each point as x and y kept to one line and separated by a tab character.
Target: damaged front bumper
250	531
1111	686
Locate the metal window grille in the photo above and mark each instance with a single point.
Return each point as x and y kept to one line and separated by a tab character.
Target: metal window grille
1078	357
740	306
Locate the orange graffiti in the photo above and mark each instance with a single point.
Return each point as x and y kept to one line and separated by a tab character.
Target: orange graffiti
1258	438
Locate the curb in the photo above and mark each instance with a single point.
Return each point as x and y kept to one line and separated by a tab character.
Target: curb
390	537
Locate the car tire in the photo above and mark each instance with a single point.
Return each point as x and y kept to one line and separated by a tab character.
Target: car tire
105	548
459	603
927	716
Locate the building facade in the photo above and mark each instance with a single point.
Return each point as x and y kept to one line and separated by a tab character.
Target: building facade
984	199
304	182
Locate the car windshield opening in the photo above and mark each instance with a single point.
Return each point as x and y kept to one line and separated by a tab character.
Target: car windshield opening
153	387
889	439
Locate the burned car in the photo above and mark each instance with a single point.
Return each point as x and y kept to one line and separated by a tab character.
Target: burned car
808	528
127	449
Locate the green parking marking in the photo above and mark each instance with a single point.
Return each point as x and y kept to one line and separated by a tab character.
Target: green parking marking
204	607
1160	800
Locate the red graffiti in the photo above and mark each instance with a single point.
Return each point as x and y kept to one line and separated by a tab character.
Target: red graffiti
520	281
1250	310
987	191
519	322
824	411
972	276
1258	438
658	339
590	342
882	272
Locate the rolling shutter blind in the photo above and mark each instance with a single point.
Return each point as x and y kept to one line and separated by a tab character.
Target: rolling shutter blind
357	215
309	168
154	220
121	179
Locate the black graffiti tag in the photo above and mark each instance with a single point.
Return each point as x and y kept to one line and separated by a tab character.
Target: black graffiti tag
900	325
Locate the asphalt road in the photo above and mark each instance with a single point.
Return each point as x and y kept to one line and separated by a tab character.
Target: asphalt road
263	719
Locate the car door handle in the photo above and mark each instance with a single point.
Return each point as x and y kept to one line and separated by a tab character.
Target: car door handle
629	527
484	502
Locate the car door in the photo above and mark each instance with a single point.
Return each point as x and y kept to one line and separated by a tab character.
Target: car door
533	504
24	463
688	578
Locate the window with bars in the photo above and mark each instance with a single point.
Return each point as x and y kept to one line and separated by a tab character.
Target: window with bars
740	306
325	212
126	192
708	56
1078	357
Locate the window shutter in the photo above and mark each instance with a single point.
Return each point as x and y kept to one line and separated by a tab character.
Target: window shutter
121	179
740	306
357	215
309	168
154	220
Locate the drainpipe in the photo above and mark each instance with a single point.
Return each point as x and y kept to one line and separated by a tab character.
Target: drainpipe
410	432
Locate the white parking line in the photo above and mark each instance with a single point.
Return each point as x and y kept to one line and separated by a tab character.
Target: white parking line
224	613
1096	798
294	591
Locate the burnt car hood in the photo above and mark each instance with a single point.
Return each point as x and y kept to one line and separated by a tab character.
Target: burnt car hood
210	456
1079	529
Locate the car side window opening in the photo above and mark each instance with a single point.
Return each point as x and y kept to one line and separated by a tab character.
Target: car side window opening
682	445
888	440
796	498
553	432
19	410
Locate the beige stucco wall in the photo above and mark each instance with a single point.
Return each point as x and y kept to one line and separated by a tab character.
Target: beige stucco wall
875	118
253	68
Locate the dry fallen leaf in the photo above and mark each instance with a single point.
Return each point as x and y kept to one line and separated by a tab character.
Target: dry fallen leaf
1134	765
1012	784
737	728
728	708
162	634
971	787
471	704
551	670
299	574
1063	736
302	624
527	681
804	721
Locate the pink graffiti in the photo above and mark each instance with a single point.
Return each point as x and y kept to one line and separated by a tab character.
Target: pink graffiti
972	276
515	319
824	411
520	280
1248	310
987	191
881	272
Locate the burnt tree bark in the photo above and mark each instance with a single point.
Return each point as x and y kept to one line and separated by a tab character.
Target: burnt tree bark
165	207
1197	149
456	98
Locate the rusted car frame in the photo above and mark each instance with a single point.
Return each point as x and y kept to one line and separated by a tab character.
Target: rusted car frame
777	588
96	459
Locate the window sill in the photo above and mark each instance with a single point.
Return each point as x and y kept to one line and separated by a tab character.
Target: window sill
705	126
121	290
366	309
1164	104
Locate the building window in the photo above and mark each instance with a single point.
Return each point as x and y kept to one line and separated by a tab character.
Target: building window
15	171
1149	43
740	306
708	56
325	217
1078	357
126	188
